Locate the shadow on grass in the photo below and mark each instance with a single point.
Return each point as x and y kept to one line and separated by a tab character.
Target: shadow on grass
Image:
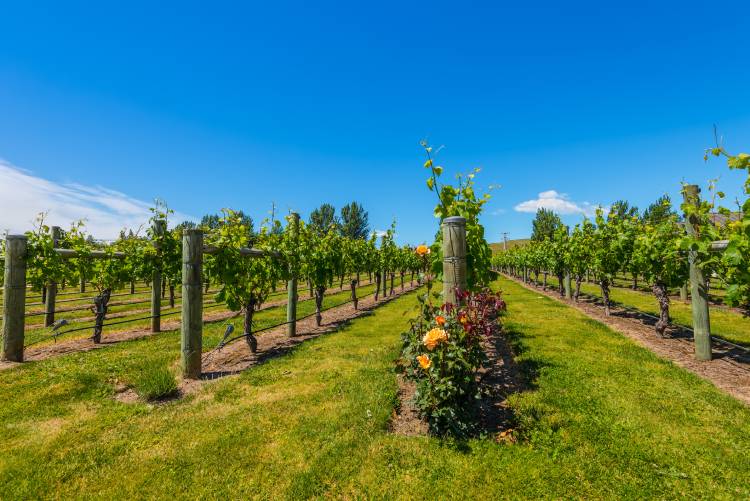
720	347
508	373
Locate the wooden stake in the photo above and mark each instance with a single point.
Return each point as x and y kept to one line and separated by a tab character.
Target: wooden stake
353	286
454	257
14	297
698	290
192	303
159	229
568	291
49	305
684	293
291	286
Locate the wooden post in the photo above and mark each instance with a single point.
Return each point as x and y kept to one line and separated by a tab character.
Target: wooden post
699	293
291	286
684	292
192	303
83	284
454	257
14	297
353	286
568	291
159	228
49	305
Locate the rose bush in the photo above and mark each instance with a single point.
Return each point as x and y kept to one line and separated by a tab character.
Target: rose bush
442	352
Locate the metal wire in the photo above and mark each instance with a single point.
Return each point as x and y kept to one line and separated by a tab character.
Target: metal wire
244	335
179	310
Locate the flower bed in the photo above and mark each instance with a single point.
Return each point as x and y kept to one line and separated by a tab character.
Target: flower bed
443	352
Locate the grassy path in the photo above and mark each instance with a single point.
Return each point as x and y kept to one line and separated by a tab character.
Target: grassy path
726	323
603	418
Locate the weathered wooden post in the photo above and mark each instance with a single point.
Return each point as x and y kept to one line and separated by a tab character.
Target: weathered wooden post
568	291
14	297
49	305
454	257
291	286
353	286
83	283
192	303
159	229
698	291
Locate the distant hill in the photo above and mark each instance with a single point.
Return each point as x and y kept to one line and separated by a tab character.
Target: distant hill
497	247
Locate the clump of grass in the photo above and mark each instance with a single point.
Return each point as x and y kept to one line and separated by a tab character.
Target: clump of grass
154	382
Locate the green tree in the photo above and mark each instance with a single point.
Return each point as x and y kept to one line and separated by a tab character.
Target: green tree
323	219
622	210
185	225
545	224
354	221
211	222
658	211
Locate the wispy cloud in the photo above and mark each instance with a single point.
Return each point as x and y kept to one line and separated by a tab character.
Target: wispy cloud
557	202
106	211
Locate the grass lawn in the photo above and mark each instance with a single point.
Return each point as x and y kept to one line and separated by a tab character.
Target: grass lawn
728	324
39	335
603	418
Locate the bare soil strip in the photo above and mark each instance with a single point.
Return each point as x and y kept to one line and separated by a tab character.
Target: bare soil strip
729	370
332	319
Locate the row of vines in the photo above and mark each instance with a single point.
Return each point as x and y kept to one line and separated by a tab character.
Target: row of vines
319	257
657	248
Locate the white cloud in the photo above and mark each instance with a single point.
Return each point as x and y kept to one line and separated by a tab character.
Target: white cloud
23	196
557	202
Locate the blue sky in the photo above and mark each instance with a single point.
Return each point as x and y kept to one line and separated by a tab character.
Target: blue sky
244	104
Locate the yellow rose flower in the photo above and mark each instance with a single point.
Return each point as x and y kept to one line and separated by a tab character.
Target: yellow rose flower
424	362
423	250
434	337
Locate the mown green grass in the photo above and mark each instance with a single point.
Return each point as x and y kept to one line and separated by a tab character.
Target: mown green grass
728	324
134	314
603	418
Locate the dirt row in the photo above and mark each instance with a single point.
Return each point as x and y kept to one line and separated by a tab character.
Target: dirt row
332	319
729	370
122	314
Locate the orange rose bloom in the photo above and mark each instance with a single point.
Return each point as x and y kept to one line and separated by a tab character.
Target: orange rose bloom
440	320
424	362
423	250
434	337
